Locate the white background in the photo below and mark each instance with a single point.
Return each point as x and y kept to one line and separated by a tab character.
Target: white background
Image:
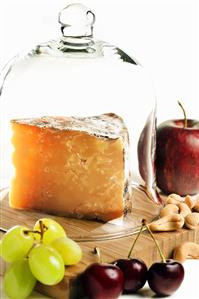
162	34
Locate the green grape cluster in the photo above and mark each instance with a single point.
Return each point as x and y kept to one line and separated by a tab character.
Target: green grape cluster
36	255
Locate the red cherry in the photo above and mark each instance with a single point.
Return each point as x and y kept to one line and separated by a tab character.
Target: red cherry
103	281
134	270
165	278
135	274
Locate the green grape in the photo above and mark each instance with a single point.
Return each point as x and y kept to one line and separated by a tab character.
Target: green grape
0	247
46	264
54	231
69	250
18	281
15	244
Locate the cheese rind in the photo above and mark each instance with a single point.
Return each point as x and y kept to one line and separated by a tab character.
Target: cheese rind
71	166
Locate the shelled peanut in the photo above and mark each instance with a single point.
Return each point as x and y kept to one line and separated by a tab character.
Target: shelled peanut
176	213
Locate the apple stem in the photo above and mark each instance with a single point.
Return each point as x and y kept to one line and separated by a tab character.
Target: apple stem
137	236
97	251
184	112
154	239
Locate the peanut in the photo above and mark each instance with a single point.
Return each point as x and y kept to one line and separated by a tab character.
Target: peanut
192	220
169	209
186	250
184	210
174	199
167	223
188	200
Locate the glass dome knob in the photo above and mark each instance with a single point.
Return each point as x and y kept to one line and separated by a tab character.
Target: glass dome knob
76	21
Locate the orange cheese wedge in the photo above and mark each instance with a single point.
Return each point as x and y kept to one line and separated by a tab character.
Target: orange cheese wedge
71	166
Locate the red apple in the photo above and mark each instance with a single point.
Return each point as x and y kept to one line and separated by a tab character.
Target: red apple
177	156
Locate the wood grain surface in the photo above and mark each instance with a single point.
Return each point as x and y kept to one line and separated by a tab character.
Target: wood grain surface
114	239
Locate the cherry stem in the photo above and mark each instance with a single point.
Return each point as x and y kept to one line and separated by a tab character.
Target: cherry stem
184	112
97	251
154	239
133	245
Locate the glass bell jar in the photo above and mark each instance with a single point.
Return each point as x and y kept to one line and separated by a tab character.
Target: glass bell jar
78	76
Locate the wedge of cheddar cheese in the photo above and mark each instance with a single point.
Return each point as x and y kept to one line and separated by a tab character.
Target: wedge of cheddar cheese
71	166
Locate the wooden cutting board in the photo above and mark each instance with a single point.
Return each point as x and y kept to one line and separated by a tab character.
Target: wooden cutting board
114	239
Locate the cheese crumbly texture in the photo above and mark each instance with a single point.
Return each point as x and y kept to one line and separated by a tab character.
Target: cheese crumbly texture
71	166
